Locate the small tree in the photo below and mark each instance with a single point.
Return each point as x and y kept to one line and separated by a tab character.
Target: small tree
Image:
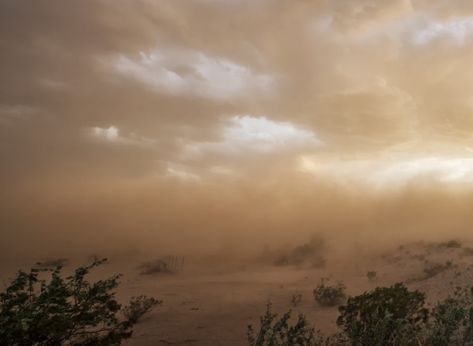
278	332
385	316
64	311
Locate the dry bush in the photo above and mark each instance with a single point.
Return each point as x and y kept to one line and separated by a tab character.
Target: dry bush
450	244
296	299
433	269
155	267
310	254
138	307
329	295
372	275
53	262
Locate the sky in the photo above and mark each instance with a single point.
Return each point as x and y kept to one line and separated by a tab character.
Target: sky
222	125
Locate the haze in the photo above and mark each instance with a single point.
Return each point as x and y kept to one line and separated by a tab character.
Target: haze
218	127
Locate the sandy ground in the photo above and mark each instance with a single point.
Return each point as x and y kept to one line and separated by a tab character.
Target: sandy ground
213	305
215	308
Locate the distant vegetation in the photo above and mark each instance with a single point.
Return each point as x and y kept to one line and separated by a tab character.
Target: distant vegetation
450	244
296	299
329	295
54	262
168	264
309	254
372	275
385	316
66	310
433	269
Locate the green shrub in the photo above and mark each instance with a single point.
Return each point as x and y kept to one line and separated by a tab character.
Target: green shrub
279	332
329	295
385	316
64	310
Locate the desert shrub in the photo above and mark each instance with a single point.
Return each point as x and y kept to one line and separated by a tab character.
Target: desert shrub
448	317
279	332
329	295
452	320
385	316
372	275
455	244
433	269
167	264
310	253
138	307
155	267
62	310
53	263
296	299
419	257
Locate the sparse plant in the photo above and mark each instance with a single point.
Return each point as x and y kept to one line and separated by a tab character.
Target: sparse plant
468	251
138	307
155	267
296	299
167	264
279	332
310	253
53	262
63	310
455	244
329	295
433	269
372	275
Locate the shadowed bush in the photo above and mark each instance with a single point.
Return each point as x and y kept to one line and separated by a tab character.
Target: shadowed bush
329	295
65	310
433	269
385	316
310	254
53	263
279	332
139	306
372	275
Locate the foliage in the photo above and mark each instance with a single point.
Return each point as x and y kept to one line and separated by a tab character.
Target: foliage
329	295
391	316
139	306
452	320
62	310
385	316
279	332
